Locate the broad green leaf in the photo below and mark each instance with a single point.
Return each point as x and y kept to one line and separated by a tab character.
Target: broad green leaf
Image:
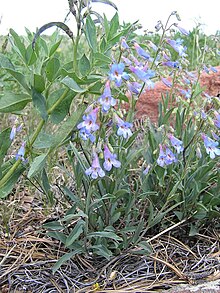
39	102
60	112
39	83
104	234
5	62
10	183
53	225
102	250
11	102
90	32
20	79
75	233
18	43
44	141
37	165
64	259
102	59
52	69
114	26
84	65
30	56
5	143
71	84
54	48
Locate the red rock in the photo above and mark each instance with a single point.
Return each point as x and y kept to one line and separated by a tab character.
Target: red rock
147	105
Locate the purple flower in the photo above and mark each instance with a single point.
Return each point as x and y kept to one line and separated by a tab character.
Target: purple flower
213	69
186	93
126	60
141	52
106	99
110	159
146	170
86	134
217	120
21	152
14	130
167	157
182	30
211	146
134	87
123	127
89	122
153	46
124	44
172	64
143	75
177	46
176	143
167	82
117	73
95	170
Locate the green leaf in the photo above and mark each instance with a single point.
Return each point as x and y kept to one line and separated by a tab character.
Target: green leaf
9	184
64	259
5	62
71	84
114	26
52	69
5	143
30	56
20	79
75	233
44	141
37	165
84	65
39	83
104	234
11	102
90	32
53	225
39	102
102	59
54	48
18	43
102	250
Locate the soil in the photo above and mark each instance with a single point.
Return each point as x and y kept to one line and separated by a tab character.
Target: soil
147	105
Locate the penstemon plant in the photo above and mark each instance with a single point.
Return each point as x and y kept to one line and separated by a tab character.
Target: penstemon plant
129	184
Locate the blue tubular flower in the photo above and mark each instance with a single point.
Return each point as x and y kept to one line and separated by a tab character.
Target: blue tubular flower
167	157
134	87
177	46
141	52
172	64
217	121
89	122
20	153
211	146
167	82
186	93
182	30
86	134
143	75
176	143
117	73
110	159
153	46
106	99
213	69
123	127
14	130
124	44
95	170
146	170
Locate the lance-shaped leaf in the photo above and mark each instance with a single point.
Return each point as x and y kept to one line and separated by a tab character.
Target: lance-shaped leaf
5	143
71	84
5	62
58	24
90	32
11	102
9	184
37	165
40	103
